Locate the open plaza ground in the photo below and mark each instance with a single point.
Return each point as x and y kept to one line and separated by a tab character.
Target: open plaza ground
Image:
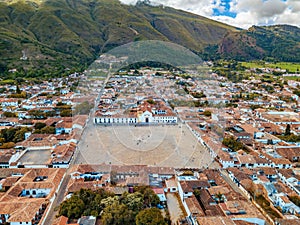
164	145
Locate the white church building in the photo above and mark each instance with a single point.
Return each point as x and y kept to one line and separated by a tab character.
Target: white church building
145	113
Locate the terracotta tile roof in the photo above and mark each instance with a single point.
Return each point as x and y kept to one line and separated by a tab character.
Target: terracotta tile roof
10	181
194	206
185	187
289	153
281	161
218	189
224	156
21	209
64	124
215	220
267	170
285	199
5	156
260	160
287	173
80	119
158	190
214	210
63	153
244	159
171	183
241	173
40	140
76	186
53	178
50	121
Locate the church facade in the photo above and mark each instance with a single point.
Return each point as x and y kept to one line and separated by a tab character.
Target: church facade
145	113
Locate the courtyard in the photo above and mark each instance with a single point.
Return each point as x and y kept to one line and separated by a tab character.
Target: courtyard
35	157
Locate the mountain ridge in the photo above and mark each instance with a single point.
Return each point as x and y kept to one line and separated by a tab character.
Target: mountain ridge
48	35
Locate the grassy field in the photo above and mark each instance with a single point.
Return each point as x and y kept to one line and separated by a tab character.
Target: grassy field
292	78
291	67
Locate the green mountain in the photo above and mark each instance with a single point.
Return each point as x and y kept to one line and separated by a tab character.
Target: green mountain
278	42
44	36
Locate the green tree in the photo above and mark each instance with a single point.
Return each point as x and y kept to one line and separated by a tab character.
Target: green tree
7	145
37	114
151	101
66	113
287	130
233	144
109	201
219	197
117	214
207	113
20	134
50	113
150	198
151	216
60	104
72	208
18	91
89	203
8	134
48	130
134	201
83	108
9	114
198	94
39	125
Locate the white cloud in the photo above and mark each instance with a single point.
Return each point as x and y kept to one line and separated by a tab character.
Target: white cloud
248	12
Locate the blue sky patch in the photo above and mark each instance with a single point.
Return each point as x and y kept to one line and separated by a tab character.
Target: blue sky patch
224	9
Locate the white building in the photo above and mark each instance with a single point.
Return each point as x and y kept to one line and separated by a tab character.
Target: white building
145	113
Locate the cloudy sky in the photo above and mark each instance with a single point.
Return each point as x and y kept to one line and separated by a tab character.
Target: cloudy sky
240	13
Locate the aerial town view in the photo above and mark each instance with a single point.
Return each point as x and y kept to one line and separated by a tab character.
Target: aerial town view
149	112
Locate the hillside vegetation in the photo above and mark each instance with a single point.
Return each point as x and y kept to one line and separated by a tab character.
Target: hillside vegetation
272	43
48	36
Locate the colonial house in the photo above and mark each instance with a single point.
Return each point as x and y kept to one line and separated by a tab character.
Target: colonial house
285	204
64	126
62	155
26	199
291	153
171	185
145	113
9	102
226	159
289	178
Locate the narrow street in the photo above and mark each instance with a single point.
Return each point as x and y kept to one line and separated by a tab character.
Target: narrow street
233	185
59	197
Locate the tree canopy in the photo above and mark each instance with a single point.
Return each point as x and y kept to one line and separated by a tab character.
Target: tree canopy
112	209
150	216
